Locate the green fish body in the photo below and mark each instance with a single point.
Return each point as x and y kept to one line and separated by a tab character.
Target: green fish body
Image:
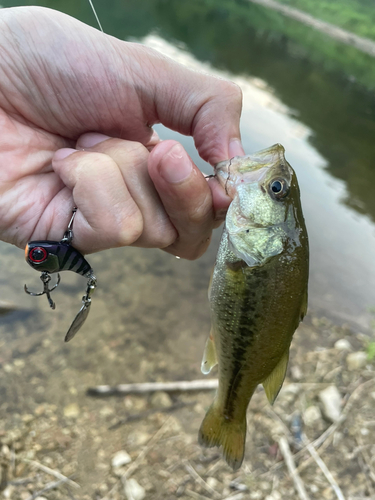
258	292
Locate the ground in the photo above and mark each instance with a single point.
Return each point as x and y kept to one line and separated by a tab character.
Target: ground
80	436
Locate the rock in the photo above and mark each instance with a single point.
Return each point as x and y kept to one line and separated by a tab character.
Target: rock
296	373
311	416
120	458
8	492
356	360
275	495
106	411
71	411
139	439
134	490
343	345
331	401
212	482
161	400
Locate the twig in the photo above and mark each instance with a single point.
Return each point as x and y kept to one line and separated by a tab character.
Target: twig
142	388
25	480
194	474
52	472
367	460
325	470
49	486
328	433
288	457
324	439
133	466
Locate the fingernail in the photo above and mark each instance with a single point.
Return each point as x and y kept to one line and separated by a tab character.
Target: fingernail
91	139
154	138
235	148
175	166
61	154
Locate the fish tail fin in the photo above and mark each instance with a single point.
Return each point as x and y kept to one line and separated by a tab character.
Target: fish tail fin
217	430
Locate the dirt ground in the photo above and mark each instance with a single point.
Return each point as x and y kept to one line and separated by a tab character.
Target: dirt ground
148	323
69	450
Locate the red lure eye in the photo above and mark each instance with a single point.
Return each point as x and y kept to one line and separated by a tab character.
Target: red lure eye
38	254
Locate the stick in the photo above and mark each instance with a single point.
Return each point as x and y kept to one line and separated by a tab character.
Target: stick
324	439
133	466
49	486
328	433
194	474
142	388
288	457
325	470
54	473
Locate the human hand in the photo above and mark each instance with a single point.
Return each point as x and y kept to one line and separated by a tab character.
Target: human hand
61	79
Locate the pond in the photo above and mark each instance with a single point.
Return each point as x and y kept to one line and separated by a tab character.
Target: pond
150	316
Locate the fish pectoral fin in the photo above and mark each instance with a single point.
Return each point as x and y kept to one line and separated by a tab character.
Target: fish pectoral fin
217	430
304	306
275	379
210	283
209	356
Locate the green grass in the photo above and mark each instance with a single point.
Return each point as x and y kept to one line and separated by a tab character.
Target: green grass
357	16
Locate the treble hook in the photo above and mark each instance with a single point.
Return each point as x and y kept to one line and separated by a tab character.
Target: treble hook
46	278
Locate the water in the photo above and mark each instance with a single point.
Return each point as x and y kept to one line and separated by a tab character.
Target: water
150	317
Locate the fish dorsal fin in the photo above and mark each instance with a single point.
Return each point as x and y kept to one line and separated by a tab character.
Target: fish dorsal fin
209	356
275	379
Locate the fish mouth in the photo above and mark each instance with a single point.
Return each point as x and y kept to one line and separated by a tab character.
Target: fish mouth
249	168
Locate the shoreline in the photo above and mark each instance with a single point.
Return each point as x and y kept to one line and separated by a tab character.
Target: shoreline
347	37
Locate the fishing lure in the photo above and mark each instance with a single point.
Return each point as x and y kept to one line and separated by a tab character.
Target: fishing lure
53	256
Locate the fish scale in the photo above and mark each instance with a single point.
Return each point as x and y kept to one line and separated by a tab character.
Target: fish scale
258	292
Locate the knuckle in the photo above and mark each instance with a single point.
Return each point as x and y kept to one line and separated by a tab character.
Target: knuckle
201	213
232	91
131	229
137	151
167	239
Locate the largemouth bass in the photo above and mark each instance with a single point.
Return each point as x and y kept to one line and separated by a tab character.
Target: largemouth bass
258	292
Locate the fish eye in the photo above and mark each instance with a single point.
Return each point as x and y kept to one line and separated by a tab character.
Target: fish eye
38	254
279	188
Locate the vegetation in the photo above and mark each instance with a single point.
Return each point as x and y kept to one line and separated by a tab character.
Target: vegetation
329	85
357	16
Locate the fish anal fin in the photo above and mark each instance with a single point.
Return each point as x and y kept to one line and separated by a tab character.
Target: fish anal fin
217	430
209	356
275	379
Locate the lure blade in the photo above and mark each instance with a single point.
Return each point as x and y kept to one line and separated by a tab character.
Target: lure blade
78	321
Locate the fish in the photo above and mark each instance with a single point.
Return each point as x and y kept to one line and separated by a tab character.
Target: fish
257	294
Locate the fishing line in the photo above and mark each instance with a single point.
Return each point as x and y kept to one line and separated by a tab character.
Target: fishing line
96	15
